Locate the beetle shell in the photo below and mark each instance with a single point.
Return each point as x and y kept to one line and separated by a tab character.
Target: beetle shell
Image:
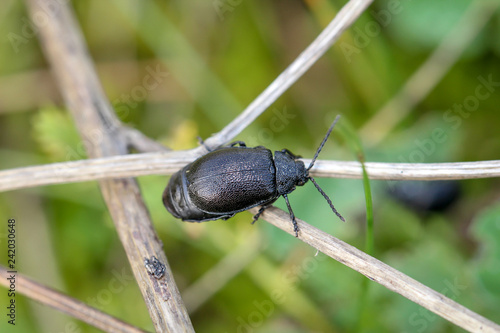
232	179
229	180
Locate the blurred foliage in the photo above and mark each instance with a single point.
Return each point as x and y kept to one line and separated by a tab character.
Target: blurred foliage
180	69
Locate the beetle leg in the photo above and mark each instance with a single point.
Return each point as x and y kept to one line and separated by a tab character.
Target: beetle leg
261	210
241	143
286	151
292	216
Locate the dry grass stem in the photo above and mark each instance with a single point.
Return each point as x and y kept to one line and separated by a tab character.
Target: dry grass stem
168	163
421	83
343	20
103	135
381	273
66	304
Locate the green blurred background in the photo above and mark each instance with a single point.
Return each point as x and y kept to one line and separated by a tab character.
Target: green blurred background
211	59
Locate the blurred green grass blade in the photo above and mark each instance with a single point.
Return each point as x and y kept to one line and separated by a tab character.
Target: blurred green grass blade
351	138
347	131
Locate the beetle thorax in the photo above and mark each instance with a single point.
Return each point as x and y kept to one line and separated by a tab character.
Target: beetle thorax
290	172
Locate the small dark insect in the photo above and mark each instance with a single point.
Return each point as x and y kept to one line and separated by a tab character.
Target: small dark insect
154	267
232	179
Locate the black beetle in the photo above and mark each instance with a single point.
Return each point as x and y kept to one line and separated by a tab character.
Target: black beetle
232	179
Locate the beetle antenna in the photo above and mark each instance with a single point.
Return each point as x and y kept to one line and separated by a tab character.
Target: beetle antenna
312	163
323	143
326	197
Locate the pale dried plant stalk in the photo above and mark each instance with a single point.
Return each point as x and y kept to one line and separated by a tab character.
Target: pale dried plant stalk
167	163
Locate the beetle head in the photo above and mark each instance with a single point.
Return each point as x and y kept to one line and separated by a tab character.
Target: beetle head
302	173
290	171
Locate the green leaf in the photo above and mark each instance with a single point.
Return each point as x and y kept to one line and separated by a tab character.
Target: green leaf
56	135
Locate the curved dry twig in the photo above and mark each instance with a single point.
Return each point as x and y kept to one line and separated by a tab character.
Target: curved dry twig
137	140
66	304
343	20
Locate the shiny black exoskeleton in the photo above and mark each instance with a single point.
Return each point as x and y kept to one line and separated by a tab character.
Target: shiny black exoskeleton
235	178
